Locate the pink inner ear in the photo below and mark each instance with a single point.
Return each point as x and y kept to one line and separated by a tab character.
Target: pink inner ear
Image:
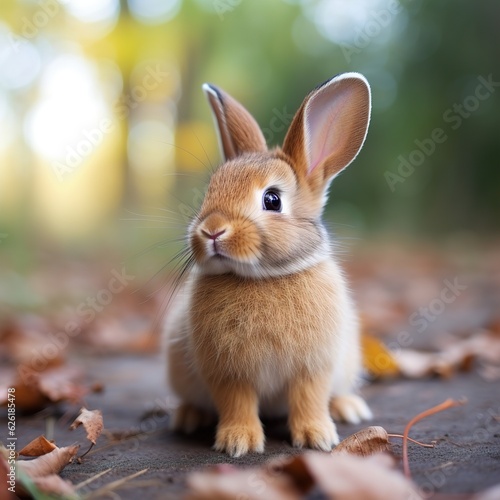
325	134
335	117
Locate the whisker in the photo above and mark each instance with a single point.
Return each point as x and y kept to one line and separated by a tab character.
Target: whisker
184	268
204	150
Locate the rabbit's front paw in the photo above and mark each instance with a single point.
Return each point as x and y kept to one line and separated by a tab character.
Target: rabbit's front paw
317	434
239	440
188	418
350	408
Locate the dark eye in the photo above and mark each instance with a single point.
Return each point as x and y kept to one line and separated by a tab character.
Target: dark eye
271	201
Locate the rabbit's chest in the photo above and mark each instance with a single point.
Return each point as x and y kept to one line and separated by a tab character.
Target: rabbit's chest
262	331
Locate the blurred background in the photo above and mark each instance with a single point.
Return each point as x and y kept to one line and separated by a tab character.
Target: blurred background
106	140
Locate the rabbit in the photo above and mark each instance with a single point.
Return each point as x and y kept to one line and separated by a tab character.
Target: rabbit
264	324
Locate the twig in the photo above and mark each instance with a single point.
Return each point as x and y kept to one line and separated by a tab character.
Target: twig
81	456
425	445
449	403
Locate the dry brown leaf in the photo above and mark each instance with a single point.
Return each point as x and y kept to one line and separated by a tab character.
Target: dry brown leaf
28	395
51	463
416	364
492	493
484	345
366	442
342	476
39	446
345	477
227	483
37	389
54	484
92	423
124	333
24	337
63	384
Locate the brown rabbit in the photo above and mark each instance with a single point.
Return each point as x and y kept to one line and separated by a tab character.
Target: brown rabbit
264	322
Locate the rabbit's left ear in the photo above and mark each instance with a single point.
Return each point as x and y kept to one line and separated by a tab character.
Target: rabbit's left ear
329	129
237	130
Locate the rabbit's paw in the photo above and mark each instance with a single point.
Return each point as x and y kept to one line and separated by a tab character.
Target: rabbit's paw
239	440
350	408
188	418
317	434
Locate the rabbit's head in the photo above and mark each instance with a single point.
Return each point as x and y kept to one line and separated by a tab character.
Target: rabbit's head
261	216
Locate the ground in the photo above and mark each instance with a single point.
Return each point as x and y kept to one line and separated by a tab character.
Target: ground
466	458
390	288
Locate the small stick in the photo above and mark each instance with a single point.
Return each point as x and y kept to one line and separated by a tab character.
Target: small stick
449	403
425	445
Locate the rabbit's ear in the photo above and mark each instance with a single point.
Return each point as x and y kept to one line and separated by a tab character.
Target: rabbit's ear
329	129
237	130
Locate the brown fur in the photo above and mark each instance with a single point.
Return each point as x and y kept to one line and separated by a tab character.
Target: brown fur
265	320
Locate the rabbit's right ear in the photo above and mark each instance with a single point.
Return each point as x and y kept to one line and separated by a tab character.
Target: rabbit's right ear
329	129
237	130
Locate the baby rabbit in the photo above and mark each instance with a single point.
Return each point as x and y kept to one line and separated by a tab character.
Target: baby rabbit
264	322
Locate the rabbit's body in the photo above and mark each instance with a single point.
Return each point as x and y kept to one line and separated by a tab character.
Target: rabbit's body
264	323
271	341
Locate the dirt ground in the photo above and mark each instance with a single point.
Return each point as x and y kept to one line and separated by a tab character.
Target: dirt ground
392	285
466	458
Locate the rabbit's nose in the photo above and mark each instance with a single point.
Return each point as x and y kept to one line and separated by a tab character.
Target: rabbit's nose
213	235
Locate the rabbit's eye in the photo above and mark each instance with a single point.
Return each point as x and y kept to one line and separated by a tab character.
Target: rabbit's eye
271	201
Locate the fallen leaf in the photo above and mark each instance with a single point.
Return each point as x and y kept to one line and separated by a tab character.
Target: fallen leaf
39	446
484	346
51	463
92	423
342	476
35	390
228	483
345	477
63	384
377	359
366	442
492	493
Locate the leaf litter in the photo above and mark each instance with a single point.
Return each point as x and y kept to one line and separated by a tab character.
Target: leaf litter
360	466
